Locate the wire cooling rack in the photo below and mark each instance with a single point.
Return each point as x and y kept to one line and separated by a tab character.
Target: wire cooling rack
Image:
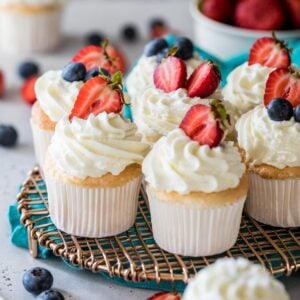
134	256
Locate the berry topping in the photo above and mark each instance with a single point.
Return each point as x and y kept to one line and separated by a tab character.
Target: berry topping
28	69
259	15
155	46
94	38
28	91
283	83
2	83
50	295
162	54
37	280
158	28
99	94
204	80
8	136
106	57
280	109
96	72
170	75
270	52
203	123
75	71
185	48
129	33
218	10
297	114
165	296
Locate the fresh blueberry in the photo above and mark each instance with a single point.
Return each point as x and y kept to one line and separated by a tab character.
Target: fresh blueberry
50	295
162	54
157	22
8	136
280	109
75	71
37	280
28	69
185	48
95	72
94	38
129	33
155	46
297	114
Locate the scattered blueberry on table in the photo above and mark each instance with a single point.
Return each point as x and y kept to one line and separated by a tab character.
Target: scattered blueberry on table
28	69
129	33
50	295
94	38
8	136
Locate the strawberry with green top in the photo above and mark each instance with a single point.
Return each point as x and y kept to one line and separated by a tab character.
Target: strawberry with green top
165	296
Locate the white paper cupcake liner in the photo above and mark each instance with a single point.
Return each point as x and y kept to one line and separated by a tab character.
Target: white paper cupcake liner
92	212
25	32
190	230
41	141
274	202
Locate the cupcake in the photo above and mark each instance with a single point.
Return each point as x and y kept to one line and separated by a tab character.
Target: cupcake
30	25
196	185
235	279
246	84
92	167
268	137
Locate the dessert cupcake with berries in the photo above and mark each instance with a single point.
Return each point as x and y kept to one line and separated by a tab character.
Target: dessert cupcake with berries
93	165
268	137
246	84
56	91
196	185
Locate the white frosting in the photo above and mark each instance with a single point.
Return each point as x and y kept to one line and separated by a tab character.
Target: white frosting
245	87
33	2
234	279
56	96
176	163
106	143
269	142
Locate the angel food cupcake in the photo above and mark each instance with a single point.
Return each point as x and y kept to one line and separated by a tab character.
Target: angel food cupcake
92	168
196	185
30	25
246	84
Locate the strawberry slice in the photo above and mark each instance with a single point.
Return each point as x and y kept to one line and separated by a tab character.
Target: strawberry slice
201	125
283	83
2	83
170	74
27	90
96	95
204	80
165	296
270	52
105	57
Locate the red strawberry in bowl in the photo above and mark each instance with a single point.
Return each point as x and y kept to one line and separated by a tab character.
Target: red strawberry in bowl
294	12
218	10
270	52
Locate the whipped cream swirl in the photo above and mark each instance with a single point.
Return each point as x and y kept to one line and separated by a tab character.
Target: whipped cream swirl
56	95
176	163
269	142
245	87
235	279
106	143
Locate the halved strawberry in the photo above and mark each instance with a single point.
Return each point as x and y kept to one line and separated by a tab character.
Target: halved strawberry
97	95
270	52
2	83
170	74
165	296
204	80
28	91
201	125
284	83
94	57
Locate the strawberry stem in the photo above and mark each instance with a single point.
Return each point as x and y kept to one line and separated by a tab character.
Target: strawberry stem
110	60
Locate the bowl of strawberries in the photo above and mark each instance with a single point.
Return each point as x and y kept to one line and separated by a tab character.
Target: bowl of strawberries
226	28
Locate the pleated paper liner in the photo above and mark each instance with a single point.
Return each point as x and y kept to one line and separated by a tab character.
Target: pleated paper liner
134	257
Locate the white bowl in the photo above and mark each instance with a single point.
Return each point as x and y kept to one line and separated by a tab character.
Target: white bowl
225	41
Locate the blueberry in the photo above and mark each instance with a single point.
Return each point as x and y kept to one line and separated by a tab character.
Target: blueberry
130	33
185	48
75	71
297	114
37	280
95	72
280	109
162	54
28	69
94	38
8	136
50	295
157	22
155	46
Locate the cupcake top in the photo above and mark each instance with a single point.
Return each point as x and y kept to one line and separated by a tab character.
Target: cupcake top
235	279
56	95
